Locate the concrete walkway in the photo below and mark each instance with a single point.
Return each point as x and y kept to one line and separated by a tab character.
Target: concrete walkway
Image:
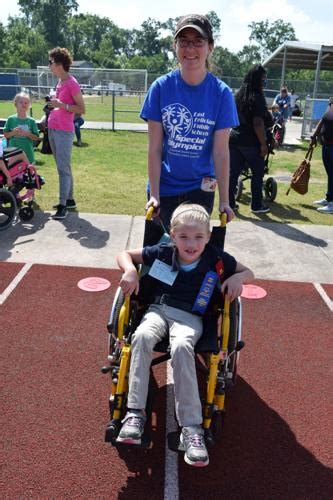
286	252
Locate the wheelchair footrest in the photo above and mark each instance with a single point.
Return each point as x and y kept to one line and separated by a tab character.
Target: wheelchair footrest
174	441
145	443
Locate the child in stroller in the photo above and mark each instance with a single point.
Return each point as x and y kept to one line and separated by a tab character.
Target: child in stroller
181	281
279	128
18	181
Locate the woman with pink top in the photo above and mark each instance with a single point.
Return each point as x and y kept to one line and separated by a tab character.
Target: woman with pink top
66	101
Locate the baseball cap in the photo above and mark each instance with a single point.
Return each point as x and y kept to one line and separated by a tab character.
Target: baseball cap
197	22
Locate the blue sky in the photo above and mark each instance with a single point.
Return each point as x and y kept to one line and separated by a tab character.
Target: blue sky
312	21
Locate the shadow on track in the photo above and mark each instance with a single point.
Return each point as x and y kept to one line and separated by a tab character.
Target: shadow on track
258	457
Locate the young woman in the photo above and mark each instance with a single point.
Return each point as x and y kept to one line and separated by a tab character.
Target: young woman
67	101
189	113
248	144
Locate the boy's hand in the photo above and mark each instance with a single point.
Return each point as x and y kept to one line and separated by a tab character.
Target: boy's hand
233	287
129	282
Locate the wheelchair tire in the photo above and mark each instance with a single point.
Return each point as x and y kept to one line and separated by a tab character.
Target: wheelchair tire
270	188
234	337
115	311
239	189
216	425
8	208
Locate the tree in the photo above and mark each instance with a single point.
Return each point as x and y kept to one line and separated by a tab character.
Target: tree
223	62
269	36
24	48
249	56
51	16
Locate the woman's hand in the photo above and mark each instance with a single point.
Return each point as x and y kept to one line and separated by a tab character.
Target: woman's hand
153	202
129	282
225	208
55	103
263	150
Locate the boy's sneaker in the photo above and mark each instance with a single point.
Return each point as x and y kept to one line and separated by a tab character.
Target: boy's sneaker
70	204
261	210
132	428
61	212
193	442
322	202
328	209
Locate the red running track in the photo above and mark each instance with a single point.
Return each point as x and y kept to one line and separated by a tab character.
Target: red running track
276	441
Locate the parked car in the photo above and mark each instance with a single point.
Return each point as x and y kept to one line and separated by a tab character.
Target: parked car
101	89
86	89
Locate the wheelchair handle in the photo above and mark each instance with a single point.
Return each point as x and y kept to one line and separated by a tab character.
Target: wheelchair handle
150	212
223	219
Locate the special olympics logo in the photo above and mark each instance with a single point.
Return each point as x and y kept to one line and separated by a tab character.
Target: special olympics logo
177	119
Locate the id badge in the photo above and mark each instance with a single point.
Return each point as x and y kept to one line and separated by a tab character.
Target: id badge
163	272
208	184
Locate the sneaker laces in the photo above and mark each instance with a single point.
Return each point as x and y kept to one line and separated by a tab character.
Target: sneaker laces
196	440
134	420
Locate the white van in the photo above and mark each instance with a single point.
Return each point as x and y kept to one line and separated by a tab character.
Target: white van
86	89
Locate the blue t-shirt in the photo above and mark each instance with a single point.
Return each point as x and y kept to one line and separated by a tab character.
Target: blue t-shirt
190	115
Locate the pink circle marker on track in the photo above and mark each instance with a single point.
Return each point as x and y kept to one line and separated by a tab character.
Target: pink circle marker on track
253	292
94	284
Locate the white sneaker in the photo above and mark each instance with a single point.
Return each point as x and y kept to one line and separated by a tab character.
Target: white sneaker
322	202
326	210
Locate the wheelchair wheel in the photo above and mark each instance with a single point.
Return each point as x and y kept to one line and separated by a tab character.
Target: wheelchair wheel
7	208
234	337
239	189
26	213
115	310
270	188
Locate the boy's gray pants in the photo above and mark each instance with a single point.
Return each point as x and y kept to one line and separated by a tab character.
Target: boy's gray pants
185	329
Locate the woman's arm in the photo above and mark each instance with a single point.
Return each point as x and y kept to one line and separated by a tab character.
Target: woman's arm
155	146
222	168
259	128
78	107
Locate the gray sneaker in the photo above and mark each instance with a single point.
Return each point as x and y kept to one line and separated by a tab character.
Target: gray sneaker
192	441
132	428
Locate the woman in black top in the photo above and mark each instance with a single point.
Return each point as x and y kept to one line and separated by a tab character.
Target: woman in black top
248	145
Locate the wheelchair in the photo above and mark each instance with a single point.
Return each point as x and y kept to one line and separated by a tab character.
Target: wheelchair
217	351
18	197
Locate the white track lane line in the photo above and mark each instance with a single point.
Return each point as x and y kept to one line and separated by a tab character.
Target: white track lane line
324	295
171	490
14	283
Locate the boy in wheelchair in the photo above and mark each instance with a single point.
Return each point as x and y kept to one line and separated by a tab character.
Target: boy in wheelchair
177	272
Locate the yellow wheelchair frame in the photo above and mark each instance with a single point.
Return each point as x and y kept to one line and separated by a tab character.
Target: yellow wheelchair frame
219	375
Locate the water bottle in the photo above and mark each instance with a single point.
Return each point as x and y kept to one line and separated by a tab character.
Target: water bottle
1	148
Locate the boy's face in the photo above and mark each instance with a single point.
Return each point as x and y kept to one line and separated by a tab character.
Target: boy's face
22	104
190	241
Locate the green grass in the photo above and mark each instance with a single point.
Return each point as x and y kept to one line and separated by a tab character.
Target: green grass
98	108
110	173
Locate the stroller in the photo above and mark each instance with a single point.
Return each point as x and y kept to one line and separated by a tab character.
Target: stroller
19	196
279	129
217	350
269	185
